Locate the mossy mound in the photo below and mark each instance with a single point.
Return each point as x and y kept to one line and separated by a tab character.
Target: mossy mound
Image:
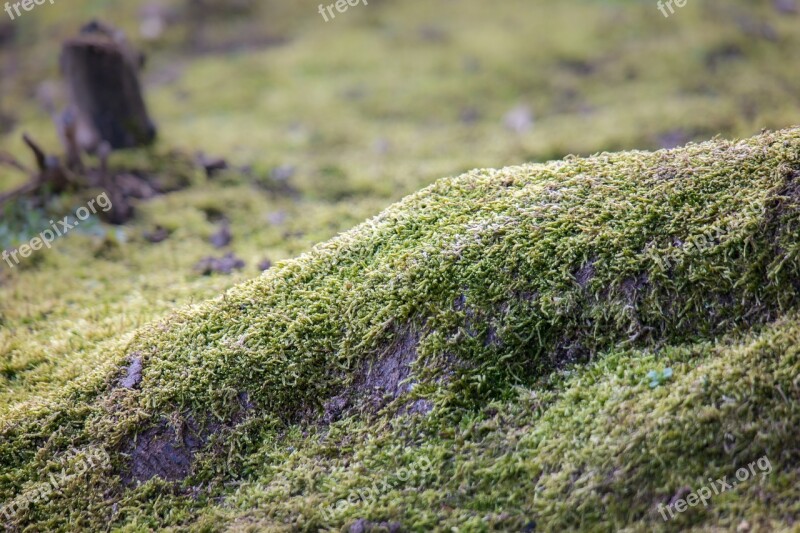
360	112
500	339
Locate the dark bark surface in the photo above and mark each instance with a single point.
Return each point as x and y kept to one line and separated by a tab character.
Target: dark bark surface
101	70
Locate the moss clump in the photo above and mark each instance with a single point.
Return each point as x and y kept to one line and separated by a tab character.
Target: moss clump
498	327
336	103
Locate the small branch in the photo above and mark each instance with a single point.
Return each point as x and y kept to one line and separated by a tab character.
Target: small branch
49	172
41	158
26	188
11	161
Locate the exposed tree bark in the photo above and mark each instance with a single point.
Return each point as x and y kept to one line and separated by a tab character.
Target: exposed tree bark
49	174
101	70
106	110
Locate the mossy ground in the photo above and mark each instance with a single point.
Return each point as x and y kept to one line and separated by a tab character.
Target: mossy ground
368	108
533	295
536	372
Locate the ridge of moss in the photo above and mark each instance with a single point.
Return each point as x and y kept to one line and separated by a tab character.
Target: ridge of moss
527	278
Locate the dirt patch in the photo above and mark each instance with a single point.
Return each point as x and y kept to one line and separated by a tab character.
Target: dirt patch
418	407
569	350
782	224
168	451
164	452
786	202
380	381
222	237
585	274
362	525
219	265
634	288
157	235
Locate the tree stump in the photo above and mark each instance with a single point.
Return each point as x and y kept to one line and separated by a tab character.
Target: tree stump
101	70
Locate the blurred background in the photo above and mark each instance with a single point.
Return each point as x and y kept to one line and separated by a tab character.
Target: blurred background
279	129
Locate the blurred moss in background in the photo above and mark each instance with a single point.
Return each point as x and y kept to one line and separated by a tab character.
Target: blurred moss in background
349	116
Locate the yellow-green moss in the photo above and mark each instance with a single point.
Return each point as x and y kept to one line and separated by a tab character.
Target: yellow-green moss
536	299
368	109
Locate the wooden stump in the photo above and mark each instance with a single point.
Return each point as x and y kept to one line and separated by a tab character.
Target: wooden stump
101	70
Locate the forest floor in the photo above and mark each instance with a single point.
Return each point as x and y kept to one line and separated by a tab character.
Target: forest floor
325	124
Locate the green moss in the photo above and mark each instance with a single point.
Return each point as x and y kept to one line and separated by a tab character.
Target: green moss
508	281
533	301
380	97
